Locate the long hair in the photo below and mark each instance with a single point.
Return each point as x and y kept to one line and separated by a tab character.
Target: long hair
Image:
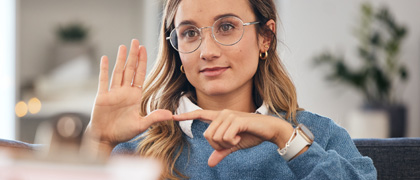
166	84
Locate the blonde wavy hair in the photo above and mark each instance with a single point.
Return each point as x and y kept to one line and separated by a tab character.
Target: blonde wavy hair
166	84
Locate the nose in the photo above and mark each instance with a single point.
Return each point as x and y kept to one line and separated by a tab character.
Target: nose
209	49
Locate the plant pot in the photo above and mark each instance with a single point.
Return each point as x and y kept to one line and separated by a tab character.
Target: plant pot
368	123
397	118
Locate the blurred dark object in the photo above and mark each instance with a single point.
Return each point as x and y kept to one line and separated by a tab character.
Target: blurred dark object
27	131
394	158
58	139
381	71
72	32
64	135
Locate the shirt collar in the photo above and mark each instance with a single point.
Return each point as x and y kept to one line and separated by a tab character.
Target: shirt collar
185	105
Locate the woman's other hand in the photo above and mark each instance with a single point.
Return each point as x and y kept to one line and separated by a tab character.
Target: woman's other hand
230	131
115	117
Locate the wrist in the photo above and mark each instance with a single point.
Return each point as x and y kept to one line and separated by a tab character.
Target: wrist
94	146
283	136
105	149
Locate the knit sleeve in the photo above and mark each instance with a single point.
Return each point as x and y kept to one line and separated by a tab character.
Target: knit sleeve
129	147
333	156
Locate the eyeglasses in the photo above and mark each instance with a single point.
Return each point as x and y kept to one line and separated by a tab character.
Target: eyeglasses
226	31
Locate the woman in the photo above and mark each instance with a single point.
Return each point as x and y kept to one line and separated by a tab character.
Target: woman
218	65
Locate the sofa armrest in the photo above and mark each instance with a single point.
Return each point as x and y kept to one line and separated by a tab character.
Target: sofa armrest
394	158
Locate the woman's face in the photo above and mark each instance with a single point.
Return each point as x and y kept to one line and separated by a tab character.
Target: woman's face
214	69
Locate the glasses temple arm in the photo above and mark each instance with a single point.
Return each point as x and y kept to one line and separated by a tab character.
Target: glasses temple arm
251	23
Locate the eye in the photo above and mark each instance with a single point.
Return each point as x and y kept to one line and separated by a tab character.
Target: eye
226	27
189	33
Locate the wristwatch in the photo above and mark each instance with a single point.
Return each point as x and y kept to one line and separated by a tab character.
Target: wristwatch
303	138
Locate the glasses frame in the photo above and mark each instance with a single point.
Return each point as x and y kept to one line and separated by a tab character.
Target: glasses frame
212	33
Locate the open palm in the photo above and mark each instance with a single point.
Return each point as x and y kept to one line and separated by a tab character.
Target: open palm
115	117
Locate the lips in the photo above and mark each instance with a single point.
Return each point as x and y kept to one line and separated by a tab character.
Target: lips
214	71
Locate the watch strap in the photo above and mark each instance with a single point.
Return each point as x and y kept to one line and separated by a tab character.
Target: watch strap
294	147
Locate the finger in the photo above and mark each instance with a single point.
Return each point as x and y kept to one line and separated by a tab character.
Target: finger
197	114
130	67
218	156
215	134
231	134
154	117
103	75
141	67
214	142
117	74
228	136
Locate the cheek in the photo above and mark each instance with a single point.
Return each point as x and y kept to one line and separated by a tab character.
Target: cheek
247	55
249	45
189	62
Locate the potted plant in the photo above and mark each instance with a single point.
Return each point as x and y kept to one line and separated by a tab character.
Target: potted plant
72	43
381	70
72	32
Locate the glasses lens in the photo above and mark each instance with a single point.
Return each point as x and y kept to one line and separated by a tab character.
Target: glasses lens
185	38
228	30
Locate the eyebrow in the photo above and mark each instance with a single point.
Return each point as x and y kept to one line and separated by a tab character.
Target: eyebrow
191	22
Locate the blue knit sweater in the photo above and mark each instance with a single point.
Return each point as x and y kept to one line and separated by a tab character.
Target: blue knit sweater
333	155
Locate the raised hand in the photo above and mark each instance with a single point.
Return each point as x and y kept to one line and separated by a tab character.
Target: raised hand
230	131
115	117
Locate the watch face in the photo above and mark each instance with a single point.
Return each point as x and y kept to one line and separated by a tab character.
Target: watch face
307	132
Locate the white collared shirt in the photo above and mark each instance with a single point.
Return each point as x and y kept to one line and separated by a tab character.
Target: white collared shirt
185	105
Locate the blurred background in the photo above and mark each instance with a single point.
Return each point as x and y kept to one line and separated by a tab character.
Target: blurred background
356	62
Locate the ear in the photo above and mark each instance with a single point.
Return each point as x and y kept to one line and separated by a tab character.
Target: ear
265	39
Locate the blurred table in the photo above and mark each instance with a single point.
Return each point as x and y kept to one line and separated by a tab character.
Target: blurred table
118	167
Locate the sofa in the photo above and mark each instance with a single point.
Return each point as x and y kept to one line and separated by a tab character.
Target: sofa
394	158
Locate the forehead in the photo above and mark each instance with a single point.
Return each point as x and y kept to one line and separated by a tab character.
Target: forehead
203	12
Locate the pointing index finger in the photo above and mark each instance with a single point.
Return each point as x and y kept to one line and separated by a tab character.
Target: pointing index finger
197	114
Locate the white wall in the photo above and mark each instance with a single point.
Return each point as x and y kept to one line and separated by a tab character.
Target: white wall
310	27
7	68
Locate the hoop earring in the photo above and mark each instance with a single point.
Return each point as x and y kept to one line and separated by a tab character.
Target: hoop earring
182	69
263	56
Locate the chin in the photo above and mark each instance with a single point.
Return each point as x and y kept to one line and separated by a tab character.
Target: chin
216	91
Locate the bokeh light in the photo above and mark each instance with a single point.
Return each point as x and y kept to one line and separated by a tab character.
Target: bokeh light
34	105
21	109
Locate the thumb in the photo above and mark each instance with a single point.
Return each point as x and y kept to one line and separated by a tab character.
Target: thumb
218	156
157	116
